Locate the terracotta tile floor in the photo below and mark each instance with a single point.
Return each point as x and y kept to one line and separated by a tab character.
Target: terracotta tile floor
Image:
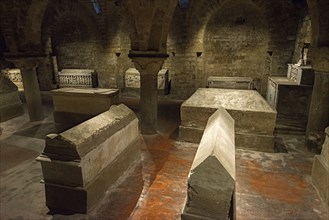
268	186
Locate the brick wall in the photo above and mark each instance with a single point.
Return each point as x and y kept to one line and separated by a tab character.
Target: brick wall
230	38
225	38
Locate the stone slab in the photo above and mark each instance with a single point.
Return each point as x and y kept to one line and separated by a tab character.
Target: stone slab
252	114
210	191
211	180
75	100
81	172
190	134
218	140
79	140
232	82
263	143
70	104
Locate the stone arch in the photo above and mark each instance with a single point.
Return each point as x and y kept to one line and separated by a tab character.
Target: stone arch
235	42
320	24
72	30
29	25
58	11
8	24
149	23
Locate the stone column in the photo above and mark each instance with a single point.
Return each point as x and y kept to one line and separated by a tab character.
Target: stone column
32	93
320	171
318	117
148	67
28	66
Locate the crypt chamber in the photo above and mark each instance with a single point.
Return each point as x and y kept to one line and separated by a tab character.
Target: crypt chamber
154	109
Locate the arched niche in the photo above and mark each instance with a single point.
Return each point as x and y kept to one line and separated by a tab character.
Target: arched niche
236	43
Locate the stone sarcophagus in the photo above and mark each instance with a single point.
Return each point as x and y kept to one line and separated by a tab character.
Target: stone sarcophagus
302	75
10	103
211	182
80	164
132	80
75	105
254	118
291	97
77	78
232	82
15	76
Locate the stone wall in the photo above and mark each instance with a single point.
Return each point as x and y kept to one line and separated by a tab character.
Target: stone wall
303	36
230	38
200	40
99	42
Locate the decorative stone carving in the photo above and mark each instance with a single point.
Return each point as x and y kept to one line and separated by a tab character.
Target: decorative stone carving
80	164
15	76
132	80
302	75
77	78
254	118
211	180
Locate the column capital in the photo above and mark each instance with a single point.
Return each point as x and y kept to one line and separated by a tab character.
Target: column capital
147	62
26	62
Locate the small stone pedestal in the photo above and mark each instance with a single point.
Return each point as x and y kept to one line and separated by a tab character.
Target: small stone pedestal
211	183
320	171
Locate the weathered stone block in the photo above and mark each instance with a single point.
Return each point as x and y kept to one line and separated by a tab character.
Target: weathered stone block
320	171
252	115
211	181
70	104
80	164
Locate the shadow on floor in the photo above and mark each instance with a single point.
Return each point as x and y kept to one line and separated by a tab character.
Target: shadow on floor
37	131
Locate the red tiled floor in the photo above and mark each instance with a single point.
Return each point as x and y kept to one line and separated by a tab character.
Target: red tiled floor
268	186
